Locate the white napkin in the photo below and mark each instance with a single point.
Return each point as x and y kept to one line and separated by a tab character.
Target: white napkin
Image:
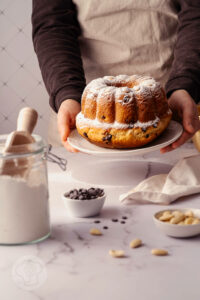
182	180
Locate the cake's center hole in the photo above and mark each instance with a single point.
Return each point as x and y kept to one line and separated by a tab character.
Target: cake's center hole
120	84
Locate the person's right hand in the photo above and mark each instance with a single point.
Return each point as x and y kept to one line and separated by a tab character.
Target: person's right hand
66	120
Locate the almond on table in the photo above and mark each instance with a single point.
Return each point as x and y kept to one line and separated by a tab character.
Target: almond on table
159	252
95	231
117	253
135	243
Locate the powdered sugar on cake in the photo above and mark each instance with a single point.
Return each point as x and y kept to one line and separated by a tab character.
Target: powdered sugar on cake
85	122
122	89
111	85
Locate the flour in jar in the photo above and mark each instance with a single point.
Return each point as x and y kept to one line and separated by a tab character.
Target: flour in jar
24	209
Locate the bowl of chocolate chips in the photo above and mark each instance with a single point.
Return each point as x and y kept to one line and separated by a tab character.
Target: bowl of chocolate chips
83	203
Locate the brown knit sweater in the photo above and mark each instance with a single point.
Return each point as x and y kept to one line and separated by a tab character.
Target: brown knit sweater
55	37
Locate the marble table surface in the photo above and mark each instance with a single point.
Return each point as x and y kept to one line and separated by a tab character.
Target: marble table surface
75	265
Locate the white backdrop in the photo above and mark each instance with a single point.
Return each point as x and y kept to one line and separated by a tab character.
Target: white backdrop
20	79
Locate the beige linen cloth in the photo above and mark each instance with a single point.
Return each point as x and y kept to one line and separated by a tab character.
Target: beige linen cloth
182	180
124	37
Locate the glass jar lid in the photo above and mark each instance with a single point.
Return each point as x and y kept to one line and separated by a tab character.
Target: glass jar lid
22	150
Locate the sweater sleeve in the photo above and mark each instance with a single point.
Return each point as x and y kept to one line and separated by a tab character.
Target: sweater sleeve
55	39
185	72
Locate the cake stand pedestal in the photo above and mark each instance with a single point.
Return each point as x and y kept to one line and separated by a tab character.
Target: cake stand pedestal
115	172
115	167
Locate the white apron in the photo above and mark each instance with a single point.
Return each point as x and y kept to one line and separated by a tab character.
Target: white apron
125	37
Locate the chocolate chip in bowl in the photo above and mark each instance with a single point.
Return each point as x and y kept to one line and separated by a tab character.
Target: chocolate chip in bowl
83	203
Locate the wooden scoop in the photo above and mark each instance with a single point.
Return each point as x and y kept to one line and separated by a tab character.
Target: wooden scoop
19	142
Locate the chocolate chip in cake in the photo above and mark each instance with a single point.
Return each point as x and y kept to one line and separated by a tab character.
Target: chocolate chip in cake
124	218
105	227
123	222
109	137
114	220
97	221
146	136
126	99
85	134
144	129
103	117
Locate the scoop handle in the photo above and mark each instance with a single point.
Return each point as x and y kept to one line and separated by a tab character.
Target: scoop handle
27	119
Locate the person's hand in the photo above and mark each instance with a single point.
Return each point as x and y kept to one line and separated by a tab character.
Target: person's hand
185	111
67	120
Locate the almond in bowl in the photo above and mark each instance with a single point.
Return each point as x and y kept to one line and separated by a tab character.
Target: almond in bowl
181	222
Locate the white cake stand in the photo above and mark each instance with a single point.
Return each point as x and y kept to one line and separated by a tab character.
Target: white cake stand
116	167
173	131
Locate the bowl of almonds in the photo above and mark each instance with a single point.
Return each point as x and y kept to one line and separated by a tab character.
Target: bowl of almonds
181	222
83	203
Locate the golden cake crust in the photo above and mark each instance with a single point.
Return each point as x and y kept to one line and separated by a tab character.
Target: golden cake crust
123	138
123	111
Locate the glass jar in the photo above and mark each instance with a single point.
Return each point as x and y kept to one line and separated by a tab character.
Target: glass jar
24	205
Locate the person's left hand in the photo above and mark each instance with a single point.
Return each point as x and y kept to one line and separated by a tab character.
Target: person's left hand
185	111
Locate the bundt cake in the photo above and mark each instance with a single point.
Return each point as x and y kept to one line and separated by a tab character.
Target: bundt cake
123	111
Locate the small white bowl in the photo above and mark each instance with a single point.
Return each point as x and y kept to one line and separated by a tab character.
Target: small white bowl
84	208
175	230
